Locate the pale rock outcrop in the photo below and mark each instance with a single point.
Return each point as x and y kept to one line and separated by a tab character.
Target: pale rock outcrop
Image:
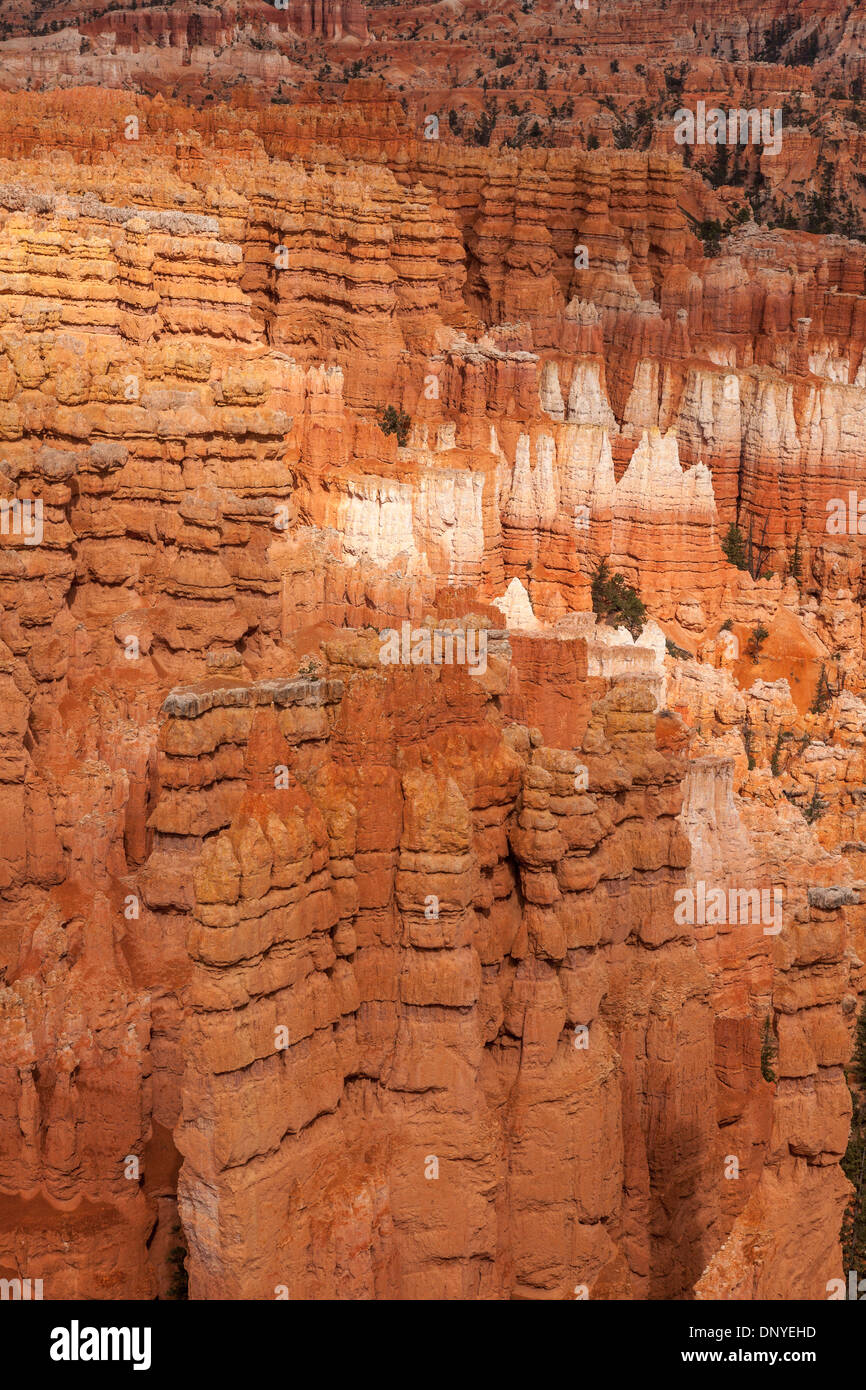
516	608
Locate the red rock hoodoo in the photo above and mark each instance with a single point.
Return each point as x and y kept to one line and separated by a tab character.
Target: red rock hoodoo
432	666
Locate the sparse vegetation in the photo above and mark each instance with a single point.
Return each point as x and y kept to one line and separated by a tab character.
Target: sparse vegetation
858	1057
815	807
679	652
675	79
179	1286
853	1234
748	741
484	126
829	212
823	694
782	737
756	641
393	420
615	601
757	550
826	691
744	551
734	546
711	232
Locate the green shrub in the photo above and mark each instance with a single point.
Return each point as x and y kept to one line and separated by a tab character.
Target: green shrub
710	232
823	695
815	808
748	741
392	420
757	640
679	652
615	601
745	552
734	546
853	1234
858	1056
179	1287
775	760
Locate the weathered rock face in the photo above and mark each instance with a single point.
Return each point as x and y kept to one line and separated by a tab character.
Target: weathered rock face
362	977
395	954
611	78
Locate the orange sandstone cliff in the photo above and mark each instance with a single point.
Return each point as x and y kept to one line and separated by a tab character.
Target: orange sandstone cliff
325	976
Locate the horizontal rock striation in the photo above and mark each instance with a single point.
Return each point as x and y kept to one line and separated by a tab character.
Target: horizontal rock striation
330	972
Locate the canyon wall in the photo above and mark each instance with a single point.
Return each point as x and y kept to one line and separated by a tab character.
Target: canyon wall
354	979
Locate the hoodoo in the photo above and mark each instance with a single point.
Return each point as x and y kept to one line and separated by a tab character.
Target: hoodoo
432	669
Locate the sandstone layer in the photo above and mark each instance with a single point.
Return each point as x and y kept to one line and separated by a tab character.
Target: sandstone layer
348	978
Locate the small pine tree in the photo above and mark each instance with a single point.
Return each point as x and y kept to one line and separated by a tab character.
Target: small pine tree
598	586
823	694
679	652
734	546
392	420
748	742
858	1056
757	640
853	1233
815	808
616	601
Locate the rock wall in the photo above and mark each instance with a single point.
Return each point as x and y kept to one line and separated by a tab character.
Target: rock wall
352	979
